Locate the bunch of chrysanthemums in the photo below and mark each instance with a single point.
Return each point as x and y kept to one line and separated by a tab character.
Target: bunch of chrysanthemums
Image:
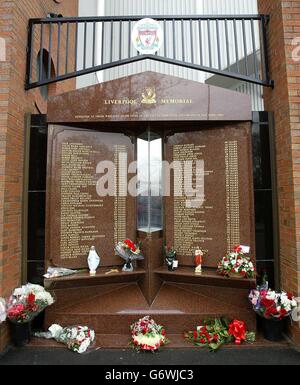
237	264
220	331
27	302
270	304
77	338
147	335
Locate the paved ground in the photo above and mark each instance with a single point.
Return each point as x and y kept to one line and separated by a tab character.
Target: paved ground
54	356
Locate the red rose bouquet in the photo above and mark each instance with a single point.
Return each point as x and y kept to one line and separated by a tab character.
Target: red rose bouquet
128	244
217	332
130	252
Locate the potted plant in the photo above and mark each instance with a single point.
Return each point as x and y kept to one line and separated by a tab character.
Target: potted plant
25	304
237	265
274	307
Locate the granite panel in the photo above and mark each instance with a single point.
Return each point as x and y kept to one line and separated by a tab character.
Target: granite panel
78	217
226	217
147	97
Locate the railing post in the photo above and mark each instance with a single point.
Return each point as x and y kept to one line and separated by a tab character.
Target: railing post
29	55
265	23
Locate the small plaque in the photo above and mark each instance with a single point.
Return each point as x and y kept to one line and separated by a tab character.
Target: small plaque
245	249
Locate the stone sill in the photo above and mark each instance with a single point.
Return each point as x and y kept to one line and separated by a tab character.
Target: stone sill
85	279
209	276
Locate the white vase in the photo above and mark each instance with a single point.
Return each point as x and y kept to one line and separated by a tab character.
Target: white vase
93	261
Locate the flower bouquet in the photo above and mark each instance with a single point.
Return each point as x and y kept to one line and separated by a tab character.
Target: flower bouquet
25	304
147	335
237	265
130	252
77	338
273	307
217	332
57	272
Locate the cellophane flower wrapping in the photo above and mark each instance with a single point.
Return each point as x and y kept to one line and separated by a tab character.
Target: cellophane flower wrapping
237	263
56	272
147	335
128	250
27	302
270	304
76	338
2	310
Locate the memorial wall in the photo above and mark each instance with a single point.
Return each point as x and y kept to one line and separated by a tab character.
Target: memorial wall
80	216
206	133
199	122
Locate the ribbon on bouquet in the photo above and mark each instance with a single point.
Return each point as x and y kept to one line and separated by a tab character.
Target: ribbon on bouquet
238	330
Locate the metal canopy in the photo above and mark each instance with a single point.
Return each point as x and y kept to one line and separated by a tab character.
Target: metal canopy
66	47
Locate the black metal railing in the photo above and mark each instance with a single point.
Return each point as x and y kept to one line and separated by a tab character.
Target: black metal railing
63	48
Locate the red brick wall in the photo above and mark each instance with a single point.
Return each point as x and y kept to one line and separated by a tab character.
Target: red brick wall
14	104
284	100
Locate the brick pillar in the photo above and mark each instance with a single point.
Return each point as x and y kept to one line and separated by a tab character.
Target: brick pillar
14	104
284	101
6	14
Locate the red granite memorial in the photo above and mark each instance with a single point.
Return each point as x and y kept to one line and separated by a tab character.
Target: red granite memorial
195	122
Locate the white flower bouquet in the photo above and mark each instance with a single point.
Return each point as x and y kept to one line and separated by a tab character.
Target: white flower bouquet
2	310
147	335
237	265
77	338
57	272
27	302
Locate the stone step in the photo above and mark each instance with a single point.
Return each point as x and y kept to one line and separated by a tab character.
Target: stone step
110	309
121	341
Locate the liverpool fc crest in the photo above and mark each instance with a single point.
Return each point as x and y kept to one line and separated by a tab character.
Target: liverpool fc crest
149	96
147	36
